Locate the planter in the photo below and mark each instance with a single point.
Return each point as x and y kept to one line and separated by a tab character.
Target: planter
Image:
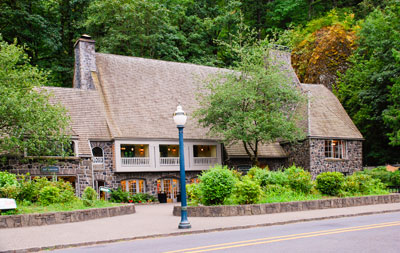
239	210
162	197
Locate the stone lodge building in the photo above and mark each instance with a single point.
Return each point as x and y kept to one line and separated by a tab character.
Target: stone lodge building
124	136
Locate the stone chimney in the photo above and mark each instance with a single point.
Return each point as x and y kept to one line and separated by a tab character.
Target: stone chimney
85	63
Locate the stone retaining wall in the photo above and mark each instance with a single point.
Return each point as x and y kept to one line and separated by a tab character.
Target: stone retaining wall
27	220
222	211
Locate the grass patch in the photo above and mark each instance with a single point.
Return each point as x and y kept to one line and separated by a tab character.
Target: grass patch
26	207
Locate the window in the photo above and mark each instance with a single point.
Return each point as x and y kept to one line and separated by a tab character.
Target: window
205	150
169	150
169	155
97	155
204	155
137	150
134	186
335	149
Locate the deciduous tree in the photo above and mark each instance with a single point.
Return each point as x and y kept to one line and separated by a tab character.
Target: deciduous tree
28	121
253	104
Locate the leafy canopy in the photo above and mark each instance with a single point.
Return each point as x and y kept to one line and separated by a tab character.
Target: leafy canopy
369	89
253	104
28	122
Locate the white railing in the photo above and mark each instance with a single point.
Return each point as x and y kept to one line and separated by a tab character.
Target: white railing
205	160
169	161
135	161
98	160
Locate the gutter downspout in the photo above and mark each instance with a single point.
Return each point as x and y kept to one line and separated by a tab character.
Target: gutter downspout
91	164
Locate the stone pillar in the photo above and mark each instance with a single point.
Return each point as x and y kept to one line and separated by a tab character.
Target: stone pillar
85	63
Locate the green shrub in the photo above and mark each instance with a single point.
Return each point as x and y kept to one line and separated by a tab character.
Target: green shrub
277	177
67	193
141	198
216	185
119	196
379	173
49	195
330	183
259	175
247	191
7	178
193	193
89	196
9	191
299	180
395	178
362	184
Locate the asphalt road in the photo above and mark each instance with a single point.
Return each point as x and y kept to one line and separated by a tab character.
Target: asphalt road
371	233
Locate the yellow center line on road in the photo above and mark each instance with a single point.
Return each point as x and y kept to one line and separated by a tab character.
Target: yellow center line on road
285	237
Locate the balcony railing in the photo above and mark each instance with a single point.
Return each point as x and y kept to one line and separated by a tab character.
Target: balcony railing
205	160
98	160
135	161
169	161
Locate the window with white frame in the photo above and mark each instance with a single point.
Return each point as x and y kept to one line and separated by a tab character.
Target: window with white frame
133	186
98	155
335	149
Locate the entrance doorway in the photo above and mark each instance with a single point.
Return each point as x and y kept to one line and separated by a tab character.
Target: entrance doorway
101	194
170	187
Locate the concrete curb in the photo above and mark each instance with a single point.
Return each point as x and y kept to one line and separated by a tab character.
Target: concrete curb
63	246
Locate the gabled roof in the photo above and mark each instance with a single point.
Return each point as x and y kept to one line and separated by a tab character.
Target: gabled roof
135	98
272	150
326	116
87	114
141	95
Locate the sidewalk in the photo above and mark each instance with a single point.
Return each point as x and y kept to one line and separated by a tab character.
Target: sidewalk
157	220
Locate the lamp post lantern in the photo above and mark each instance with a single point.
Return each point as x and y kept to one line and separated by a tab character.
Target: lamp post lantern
180	120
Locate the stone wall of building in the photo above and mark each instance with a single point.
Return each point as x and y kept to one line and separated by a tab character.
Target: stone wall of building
352	162
79	169
104	172
298	154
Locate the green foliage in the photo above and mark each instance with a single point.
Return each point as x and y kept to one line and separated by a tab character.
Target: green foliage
9	191
7	178
119	196
265	177
253	104
141	198
387	177
28	122
362	184
49	195
299	180
216	185
368	89
193	193
330	183
277	193
247	191
89	196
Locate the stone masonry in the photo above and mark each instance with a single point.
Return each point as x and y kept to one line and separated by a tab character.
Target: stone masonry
310	154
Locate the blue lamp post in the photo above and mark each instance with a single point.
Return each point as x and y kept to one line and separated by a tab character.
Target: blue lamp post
180	120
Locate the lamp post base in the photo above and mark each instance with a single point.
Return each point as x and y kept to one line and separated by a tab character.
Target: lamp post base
184	225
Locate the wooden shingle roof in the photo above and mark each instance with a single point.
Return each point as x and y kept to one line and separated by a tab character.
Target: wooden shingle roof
87	115
326	116
135	98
